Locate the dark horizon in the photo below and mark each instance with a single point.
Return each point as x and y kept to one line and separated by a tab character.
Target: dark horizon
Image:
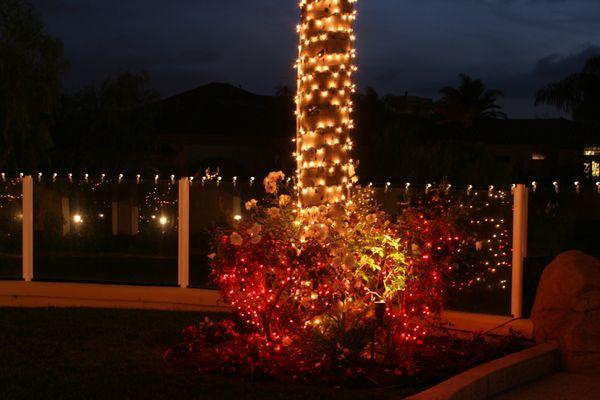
516	46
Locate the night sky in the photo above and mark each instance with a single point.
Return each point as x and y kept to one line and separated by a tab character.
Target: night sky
403	45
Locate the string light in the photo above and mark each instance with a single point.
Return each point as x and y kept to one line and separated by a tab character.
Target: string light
325	172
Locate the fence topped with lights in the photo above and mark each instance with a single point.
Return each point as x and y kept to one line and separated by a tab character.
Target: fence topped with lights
216	179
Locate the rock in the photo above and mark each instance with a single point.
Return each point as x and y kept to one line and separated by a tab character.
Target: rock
567	310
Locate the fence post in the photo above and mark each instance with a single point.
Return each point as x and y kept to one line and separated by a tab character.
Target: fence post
27	228
519	237
183	258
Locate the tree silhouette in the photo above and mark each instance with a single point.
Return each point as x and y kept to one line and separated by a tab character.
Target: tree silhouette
578	94
103	127
31	66
468	103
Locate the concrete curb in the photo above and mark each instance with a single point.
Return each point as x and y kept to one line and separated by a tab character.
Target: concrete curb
57	294
497	376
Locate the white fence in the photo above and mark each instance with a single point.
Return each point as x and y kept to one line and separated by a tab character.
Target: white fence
519	237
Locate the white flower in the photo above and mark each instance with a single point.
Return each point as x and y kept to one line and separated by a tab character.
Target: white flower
371	218
350	261
235	239
256	239
251	204
319	232
273	212
270	182
284	200
255	230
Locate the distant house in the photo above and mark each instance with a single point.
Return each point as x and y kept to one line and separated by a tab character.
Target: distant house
544	148
244	134
410	105
219	125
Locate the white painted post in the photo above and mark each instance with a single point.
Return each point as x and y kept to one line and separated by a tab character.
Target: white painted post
27	228
184	233
520	206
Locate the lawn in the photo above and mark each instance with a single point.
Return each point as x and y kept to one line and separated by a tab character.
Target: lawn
117	354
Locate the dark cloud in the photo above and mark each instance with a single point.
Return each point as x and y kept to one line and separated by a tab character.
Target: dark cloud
556	66
414	45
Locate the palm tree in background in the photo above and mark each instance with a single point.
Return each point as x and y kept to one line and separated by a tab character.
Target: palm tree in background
578	94
468	103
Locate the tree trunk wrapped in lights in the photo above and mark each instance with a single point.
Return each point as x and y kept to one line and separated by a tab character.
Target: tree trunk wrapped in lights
324	106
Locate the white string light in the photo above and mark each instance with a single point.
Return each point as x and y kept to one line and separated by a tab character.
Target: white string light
325	172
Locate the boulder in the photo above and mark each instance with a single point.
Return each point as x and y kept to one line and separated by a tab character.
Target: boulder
567	310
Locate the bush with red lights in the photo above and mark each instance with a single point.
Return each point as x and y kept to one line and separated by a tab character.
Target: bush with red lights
324	292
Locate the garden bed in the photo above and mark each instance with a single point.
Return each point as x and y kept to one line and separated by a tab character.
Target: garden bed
439	357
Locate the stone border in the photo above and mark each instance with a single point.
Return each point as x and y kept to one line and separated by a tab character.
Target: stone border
497	376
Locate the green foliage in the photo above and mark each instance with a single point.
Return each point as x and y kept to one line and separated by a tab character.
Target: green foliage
31	67
103	127
578	93
468	103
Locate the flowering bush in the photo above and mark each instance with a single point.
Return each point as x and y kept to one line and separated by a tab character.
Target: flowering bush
327	288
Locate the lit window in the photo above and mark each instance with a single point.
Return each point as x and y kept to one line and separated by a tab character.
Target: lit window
537	156
591	151
595	169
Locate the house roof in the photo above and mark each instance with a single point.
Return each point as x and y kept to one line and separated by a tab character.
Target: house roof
220	109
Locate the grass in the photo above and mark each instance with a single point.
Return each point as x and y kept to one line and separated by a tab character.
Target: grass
117	354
